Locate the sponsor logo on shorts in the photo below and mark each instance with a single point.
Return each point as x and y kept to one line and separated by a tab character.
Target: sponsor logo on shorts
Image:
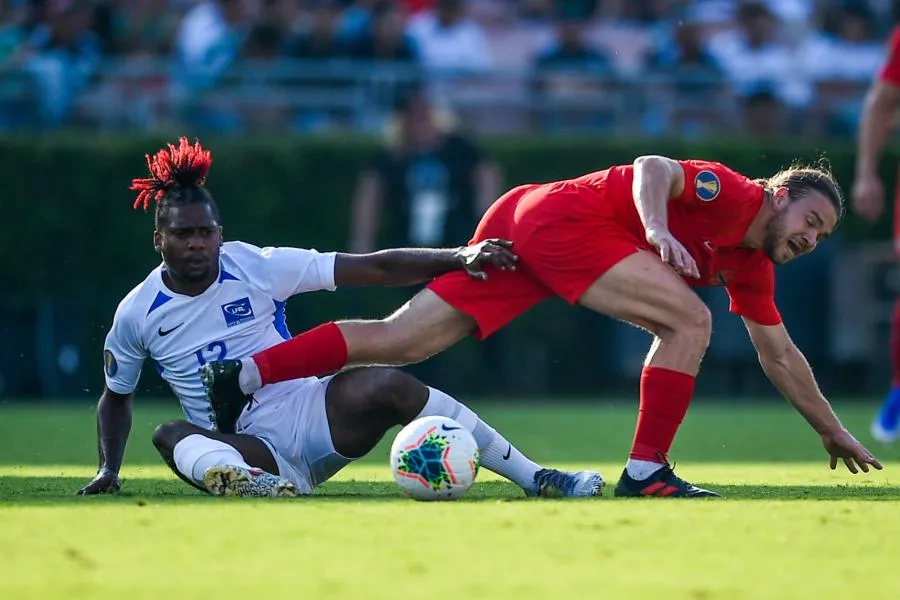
707	186
237	312
110	364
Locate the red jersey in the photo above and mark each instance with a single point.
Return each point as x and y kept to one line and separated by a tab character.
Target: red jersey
890	72
710	218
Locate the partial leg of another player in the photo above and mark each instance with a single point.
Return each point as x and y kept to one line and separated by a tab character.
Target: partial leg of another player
221	464
645	292
362	404
886	426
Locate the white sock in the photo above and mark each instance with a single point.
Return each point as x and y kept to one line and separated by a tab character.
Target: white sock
196	453
641	469
249	378
497	454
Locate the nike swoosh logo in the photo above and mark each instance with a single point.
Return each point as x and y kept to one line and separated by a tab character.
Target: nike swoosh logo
508	452
165	333
445	428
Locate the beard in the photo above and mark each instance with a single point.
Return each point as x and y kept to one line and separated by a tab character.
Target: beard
773	243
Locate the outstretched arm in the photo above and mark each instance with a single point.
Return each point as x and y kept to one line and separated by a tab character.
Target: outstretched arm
879	108
408	266
113	427
788	370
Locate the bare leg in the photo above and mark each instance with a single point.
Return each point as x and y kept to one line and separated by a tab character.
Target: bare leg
423	327
643	291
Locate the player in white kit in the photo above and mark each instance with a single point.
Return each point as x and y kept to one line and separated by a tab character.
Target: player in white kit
210	300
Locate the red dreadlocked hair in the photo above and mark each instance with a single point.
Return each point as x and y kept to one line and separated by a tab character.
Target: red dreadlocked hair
184	166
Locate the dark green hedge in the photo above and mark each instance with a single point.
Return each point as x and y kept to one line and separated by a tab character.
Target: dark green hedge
68	230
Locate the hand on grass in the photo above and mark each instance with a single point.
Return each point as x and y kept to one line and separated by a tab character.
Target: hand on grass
842	445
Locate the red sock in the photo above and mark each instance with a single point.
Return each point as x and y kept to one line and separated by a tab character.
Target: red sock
895	345
665	397
313	353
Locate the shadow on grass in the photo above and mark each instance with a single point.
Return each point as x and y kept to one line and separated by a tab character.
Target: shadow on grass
60	491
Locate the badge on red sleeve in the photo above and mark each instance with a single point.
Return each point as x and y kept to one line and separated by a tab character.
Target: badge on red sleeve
707	186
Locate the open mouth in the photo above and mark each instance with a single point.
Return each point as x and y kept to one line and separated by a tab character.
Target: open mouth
794	247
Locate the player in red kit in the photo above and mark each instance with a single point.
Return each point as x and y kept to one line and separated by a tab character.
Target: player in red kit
878	115
627	242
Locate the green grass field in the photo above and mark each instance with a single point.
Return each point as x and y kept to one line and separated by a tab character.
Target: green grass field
789	527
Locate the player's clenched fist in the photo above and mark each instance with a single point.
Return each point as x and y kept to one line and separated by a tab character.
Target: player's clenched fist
492	252
672	252
105	482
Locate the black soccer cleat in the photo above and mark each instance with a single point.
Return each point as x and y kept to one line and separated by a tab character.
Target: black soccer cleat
664	484
220	379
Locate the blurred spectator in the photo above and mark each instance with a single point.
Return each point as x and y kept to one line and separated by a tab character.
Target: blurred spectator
263	49
764	115
568	71
847	48
356	20
320	40
64	53
536	11
17	89
570	52
136	28
697	95
432	181
210	38
840	59
385	39
755	54
448	41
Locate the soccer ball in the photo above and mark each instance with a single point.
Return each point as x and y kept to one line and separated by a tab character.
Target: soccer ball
434	458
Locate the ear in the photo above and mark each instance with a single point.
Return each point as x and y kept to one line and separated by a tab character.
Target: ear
781	198
157	241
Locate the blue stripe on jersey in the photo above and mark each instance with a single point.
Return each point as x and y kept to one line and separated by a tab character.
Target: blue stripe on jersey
225	276
280	320
158	301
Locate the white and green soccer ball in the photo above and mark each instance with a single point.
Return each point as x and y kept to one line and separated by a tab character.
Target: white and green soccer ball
434	458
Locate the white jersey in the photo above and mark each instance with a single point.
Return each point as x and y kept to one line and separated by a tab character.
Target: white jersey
240	314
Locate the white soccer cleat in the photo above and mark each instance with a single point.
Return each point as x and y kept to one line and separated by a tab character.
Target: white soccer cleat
882	434
550	483
230	480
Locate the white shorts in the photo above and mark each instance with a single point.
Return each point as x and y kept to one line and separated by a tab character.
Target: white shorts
292	422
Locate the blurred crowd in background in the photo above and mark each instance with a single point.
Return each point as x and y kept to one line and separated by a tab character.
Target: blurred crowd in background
693	68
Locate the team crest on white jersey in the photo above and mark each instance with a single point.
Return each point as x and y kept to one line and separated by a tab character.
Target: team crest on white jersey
707	186
110	364
237	312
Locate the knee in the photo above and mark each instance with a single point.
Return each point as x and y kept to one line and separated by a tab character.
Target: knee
691	324
166	435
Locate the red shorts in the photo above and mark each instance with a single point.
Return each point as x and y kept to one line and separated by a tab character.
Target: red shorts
565	243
